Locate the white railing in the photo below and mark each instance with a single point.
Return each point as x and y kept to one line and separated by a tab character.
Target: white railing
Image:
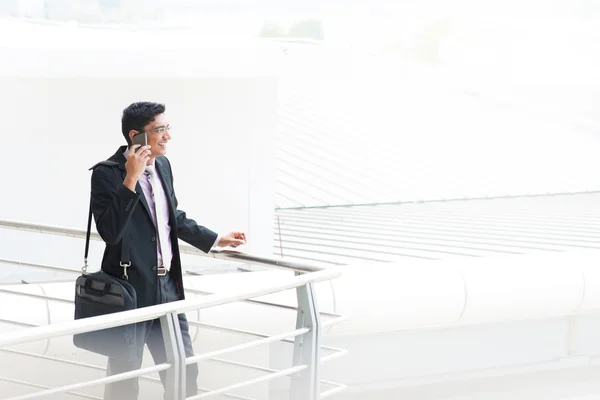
184	249
305	383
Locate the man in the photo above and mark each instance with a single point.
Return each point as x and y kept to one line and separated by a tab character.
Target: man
135	210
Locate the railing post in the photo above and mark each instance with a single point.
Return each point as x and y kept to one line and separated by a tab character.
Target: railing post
305	386
181	381
175	376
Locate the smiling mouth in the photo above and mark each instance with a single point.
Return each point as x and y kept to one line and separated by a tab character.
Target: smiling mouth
163	145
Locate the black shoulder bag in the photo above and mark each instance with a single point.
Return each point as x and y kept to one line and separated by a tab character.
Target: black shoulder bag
100	293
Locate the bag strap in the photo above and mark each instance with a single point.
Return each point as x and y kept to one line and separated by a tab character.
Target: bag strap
125	248
87	240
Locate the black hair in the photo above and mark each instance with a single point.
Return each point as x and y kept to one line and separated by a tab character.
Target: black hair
138	115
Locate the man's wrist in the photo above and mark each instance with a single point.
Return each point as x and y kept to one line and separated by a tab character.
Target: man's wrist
217	240
130	183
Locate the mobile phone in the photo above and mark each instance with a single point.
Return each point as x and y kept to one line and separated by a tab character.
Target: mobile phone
141	139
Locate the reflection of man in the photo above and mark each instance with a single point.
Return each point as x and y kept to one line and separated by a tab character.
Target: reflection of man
134	202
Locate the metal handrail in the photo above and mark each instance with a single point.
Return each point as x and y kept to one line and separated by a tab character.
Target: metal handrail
160	311
38	386
264	378
306	336
144	377
36	296
40	266
248	345
157	311
229	255
107	379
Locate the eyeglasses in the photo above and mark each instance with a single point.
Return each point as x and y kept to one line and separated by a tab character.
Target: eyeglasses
161	129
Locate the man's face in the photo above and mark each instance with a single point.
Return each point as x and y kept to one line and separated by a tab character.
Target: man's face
158	135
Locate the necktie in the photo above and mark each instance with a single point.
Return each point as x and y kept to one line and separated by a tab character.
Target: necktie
159	205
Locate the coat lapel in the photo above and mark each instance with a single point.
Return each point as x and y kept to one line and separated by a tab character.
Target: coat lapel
165	179
143	200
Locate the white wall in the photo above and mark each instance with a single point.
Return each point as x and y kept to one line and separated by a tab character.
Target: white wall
221	151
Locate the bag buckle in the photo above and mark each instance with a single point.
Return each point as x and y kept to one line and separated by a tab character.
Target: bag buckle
125	266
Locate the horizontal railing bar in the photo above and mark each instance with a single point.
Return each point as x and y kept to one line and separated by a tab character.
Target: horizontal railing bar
338	353
80	385
339	387
266	303
302	256
333	391
156	380
70	362
265	369
192	323
270	262
48	281
40	266
233	396
245	332
265	378
153	312
47	229
38	386
56	269
24	324
59	299
185	249
330	348
60	360
334	321
245	346
35	296
330	314
330	383
243	365
226	329
257	302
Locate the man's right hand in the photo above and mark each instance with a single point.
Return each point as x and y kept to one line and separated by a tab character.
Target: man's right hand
135	165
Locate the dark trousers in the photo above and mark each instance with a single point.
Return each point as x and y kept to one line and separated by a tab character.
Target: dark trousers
129	389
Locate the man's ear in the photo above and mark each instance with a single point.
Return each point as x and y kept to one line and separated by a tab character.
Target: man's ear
132	133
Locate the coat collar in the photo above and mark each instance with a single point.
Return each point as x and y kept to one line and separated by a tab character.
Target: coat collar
119	158
160	164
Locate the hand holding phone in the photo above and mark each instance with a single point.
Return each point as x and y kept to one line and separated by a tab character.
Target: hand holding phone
137	160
